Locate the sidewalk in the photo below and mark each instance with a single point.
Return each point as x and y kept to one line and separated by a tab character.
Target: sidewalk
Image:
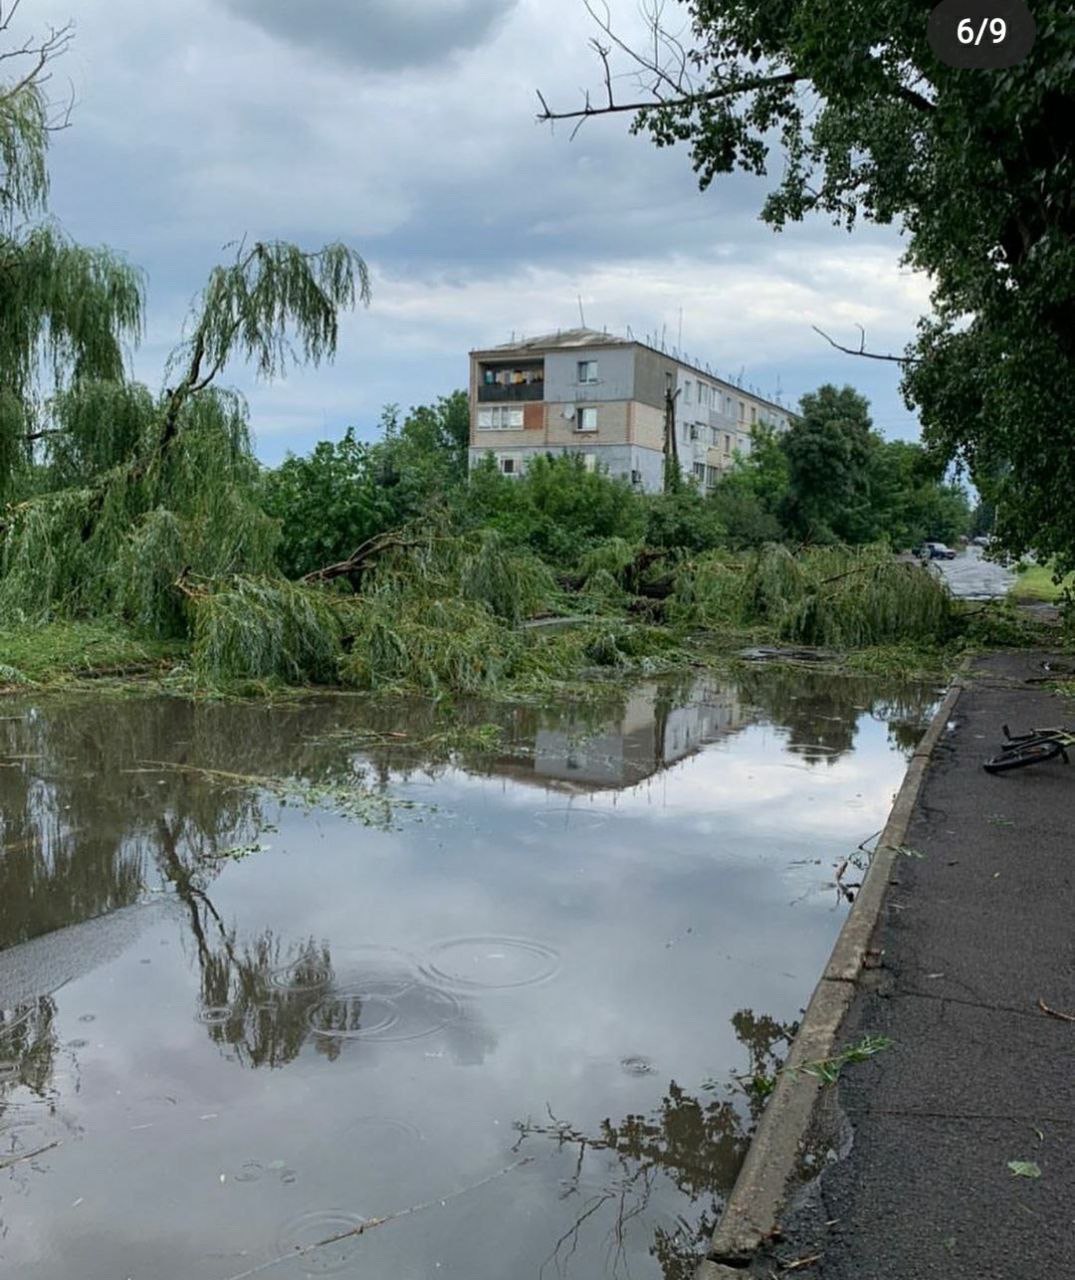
974	933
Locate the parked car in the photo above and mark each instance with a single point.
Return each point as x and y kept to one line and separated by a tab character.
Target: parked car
982	540
936	551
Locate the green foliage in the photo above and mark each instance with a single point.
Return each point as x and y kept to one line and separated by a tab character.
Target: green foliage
976	168
1000	625
612	557
346	492
439	646
265	629
557	507
743	516
827	1070
269	298
327	503
139	492
829	452
60	651
830	597
683	518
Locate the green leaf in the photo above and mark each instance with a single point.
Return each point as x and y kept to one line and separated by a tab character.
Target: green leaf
1024	1169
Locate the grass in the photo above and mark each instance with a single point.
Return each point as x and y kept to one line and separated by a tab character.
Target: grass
1035	585
59	652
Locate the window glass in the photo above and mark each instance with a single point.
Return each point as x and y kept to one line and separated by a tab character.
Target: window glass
587	419
587	370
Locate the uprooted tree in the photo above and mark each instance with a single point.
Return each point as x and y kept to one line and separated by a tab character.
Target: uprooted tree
977	168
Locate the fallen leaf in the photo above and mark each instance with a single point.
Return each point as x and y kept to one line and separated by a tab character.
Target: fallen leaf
1024	1169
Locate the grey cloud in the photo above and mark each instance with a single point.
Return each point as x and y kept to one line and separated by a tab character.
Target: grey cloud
383	35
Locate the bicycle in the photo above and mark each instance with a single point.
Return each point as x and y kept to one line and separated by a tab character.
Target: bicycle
1035	747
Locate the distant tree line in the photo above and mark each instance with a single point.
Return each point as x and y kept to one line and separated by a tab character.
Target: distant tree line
830	478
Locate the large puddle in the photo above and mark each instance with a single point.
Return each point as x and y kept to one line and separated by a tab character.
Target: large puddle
411	1006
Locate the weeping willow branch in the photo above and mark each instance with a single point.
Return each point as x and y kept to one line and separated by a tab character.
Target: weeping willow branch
251	308
27	116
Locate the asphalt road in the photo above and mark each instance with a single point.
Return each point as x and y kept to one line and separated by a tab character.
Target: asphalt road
973	578
977	929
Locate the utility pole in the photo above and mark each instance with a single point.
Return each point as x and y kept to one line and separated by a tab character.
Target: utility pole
672	475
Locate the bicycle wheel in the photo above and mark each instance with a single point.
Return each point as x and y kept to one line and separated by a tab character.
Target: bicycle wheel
1026	753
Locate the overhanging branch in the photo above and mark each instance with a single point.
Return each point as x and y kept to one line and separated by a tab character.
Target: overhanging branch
868	355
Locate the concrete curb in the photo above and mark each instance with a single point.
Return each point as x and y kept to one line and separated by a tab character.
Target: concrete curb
752	1210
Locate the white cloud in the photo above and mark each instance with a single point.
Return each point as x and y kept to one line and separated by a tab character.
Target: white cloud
195	126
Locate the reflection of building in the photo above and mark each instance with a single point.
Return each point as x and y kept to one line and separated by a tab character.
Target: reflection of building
653	730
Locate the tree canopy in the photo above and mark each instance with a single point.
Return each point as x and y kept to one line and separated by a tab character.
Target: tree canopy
66	310
977	169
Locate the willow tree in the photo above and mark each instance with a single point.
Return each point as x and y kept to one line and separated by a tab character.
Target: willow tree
141	491
65	309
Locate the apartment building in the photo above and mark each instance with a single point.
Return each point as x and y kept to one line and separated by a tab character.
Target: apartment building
606	398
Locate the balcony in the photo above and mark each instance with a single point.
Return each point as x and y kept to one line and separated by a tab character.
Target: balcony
504	393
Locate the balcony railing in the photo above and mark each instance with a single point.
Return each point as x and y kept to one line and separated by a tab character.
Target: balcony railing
503	394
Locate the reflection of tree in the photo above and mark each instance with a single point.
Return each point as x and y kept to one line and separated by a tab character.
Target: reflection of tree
28	1046
820	710
262	1022
696	1145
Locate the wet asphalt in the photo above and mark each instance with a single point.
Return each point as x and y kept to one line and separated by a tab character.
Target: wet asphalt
976	931
971	577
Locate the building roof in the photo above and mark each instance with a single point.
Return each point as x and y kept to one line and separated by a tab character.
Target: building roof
576	339
563	338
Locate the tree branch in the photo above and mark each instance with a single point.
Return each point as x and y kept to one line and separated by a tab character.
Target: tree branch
868	355
688	100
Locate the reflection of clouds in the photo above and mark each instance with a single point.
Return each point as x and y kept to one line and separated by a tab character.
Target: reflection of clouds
668	905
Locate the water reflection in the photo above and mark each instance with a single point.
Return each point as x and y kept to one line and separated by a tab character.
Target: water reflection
182	948
696	1143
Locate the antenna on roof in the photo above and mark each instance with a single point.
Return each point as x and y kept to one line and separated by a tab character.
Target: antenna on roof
582	318
630	335
663	328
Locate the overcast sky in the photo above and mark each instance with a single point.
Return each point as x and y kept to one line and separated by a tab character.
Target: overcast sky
406	128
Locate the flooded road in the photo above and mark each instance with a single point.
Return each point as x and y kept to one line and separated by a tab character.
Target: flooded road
330	988
971	577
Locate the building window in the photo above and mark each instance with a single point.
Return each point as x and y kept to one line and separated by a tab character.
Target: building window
699	472
507	466
712	474
500	419
742	411
636	477
687	391
727	445
753	416
589	461
703	395
586	420
587	370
